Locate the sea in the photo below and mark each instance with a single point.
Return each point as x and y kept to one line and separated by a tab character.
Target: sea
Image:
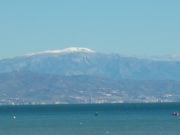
91	119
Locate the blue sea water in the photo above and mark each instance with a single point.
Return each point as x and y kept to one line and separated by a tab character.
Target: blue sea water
92	119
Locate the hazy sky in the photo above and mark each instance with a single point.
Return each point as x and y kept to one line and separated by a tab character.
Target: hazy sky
132	27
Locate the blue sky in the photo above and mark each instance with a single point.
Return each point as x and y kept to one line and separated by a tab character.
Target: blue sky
131	27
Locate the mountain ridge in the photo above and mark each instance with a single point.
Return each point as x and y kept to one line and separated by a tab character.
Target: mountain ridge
83	77
107	65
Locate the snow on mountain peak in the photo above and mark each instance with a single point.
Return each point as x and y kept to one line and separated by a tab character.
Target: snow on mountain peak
66	50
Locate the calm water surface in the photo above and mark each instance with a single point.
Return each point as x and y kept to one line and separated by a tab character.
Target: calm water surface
104	119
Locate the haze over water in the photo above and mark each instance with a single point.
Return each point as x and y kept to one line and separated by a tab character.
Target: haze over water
102	119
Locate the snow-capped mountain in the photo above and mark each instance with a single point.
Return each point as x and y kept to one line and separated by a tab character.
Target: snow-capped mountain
84	61
81	75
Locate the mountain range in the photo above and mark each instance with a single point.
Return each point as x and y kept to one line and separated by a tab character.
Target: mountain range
81	75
